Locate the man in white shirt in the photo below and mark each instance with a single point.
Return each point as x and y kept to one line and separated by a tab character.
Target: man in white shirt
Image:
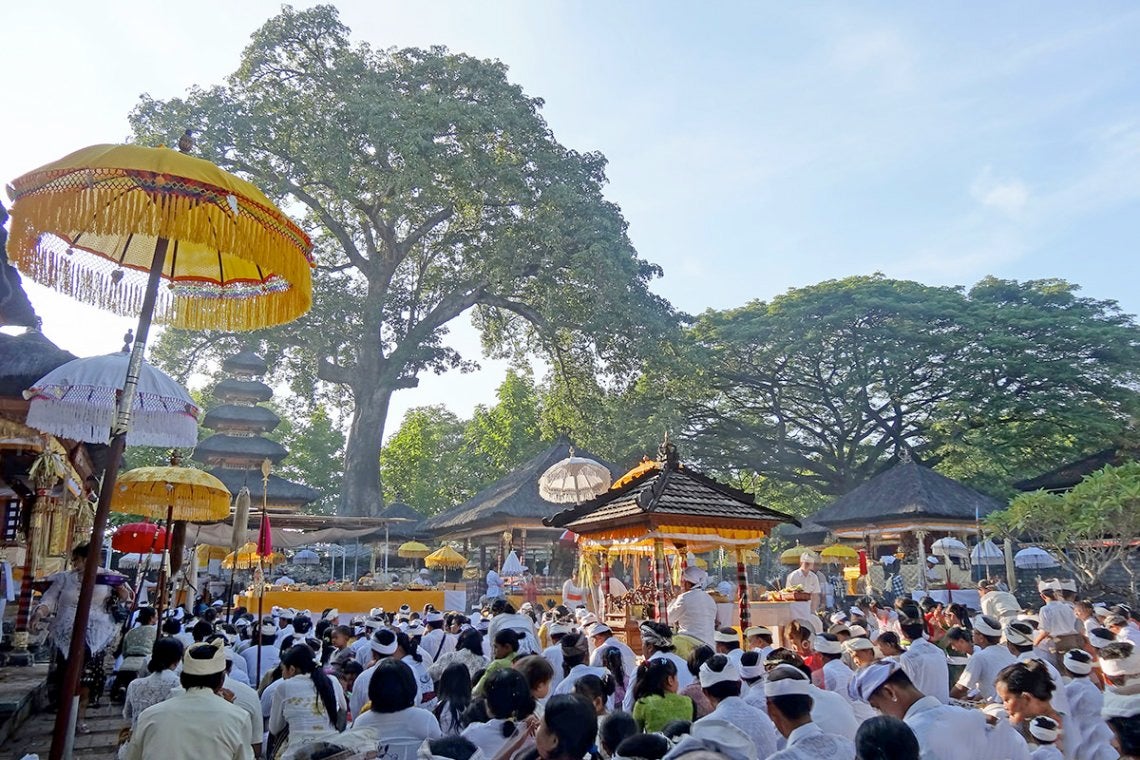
1019	641
265	643
1058	629
553	653
1000	605
494	585
573	595
759	638
804	577
987	660
197	723
727	642
720	681
789	704
693	611
836	674
436	642
924	663
245	698
602	639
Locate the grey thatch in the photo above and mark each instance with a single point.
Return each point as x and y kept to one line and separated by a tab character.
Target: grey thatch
238	417
233	449
412	528
245	363
26	358
907	491
514	496
232	389
281	491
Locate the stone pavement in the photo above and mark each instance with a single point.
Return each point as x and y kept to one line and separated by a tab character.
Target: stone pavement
34	735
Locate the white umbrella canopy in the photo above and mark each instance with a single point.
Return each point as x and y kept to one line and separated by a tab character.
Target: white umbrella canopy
512	565
950	547
131	561
1034	558
77	401
986	553
306	557
574	480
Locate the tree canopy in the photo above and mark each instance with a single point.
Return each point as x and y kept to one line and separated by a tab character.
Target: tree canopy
432	187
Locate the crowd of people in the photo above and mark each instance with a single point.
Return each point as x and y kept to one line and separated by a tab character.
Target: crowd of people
909	680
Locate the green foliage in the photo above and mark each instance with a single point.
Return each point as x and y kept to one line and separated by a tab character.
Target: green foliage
424	462
431	187
499	437
1089	529
316	451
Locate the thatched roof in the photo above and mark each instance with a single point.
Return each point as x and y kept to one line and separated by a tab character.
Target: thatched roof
807	533
411	529
514	496
280	492
26	358
245	390
909	492
245	363
15	308
233	449
1068	475
239	417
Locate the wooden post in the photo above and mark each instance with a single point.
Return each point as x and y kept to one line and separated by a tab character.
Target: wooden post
742	589
660	578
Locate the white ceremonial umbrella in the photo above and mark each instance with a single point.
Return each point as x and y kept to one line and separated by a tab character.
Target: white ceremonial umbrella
131	561
306	557
986	553
512	566
77	401
950	547
574	480
1034	558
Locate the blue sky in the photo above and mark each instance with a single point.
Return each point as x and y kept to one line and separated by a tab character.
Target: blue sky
753	146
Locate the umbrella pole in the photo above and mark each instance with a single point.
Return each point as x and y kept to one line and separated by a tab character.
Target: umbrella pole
63	733
260	608
163	580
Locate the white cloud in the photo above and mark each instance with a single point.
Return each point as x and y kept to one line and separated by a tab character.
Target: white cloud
1008	196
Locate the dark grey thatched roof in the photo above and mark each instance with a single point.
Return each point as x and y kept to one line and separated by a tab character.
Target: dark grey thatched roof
245	363
15	308
907	491
25	358
808	533
231	449
515	495
238	417
1068	475
404	511
281	491
251	390
678	495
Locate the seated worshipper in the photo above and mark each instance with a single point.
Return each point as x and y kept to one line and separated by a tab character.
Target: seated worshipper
701	704
1045	733
721	683
468	652
574	653
789	706
924	663
505	648
453	696
136	648
693	611
306	705
445	748
719	739
751	672
945	732
798	635
160	682
423	579
247	699
436	642
890	644
760	639
644	746
1019	641
1027	690
862	651
833	713
598	691
987	658
656	701
568	729
1085	704
836	675
392	713
508	701
384	645
886	738
198	722
347	673
657	644
506	617
614	729
1123	717
539	674
727	642
556	631
613	654
263	644
341	637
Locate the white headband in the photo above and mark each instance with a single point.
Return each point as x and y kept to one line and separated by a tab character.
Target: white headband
384	649
838	617
710	676
1044	729
986	626
1016	637
1075	665
726	638
857	644
757	630
787	687
750	672
826	646
1124	666
867	680
857	630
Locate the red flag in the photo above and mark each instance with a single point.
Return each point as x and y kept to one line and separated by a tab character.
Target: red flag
264	539
862	562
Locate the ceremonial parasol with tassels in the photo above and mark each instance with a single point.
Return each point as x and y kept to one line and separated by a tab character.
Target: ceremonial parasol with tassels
107	224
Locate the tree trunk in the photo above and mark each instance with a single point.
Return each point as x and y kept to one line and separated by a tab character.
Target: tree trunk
362	495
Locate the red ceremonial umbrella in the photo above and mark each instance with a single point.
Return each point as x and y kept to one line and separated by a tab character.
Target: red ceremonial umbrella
140	538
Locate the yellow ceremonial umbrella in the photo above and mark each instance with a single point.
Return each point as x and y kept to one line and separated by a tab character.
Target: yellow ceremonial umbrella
247	558
106	224
413	550
204	553
841	554
447	558
792	556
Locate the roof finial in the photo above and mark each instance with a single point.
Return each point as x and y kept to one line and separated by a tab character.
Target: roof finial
667	453
904	455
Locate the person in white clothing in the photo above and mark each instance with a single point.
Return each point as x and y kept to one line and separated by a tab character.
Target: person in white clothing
720	681
727	642
1019	641
605	644
832	712
574	653
988	659
1085	704
495	588
265	644
789	704
805	578
553	653
573	595
306	703
1027	691
759	638
436	642
196	723
508	701
246	698
925	663
392	714
1045	732
693	611
1058	629
836	674
998	604
944	732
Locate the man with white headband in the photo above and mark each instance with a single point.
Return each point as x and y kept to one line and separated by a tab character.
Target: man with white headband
727	642
985	663
759	638
1085	704
1058	630
657	644
720	681
265	641
944	732
196	723
694	610
804	576
999	605
836	674
1045	732
436	642
789	706
1019	640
